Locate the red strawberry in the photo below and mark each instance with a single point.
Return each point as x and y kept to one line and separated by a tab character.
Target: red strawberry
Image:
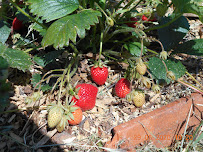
17	24
144	18
87	95
132	24
99	75
122	88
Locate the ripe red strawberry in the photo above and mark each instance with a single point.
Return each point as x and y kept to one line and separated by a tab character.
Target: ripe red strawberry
17	24
122	88
87	95
132	24
76	116
144	18
99	75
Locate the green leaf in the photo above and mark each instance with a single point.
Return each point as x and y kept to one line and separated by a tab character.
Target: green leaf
192	47
158	70
188	6
3	63
36	78
53	9
135	48
39	28
171	35
16	58
176	67
67	28
47	58
4	31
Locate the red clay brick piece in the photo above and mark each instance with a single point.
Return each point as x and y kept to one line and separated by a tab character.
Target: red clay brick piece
167	124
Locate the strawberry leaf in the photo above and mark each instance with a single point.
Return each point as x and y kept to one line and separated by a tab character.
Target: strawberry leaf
53	9
4	31
67	28
192	47
158	70
171	35
135	48
47	58
16	58
188	6
37	78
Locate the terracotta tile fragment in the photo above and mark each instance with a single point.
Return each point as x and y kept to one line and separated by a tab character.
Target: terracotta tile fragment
167	124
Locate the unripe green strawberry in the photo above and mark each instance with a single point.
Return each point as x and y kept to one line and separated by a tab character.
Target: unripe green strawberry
141	68
163	55
138	97
110	21
99	74
146	81
54	116
122	88
156	88
62	124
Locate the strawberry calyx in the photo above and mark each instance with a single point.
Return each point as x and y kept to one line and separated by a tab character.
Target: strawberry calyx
99	64
156	88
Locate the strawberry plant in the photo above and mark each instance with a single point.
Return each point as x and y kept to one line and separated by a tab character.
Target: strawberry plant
57	34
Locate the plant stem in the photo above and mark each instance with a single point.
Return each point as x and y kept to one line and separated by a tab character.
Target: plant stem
22	11
164	25
100	49
101	10
165	66
141	47
193	78
154	39
152	51
191	86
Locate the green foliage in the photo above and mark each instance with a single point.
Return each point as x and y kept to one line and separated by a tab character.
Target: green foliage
4	31
135	48
67	28
192	47
158	70
16	58
39	29
50	10
171	35
36	78
187	6
3	63
47	58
